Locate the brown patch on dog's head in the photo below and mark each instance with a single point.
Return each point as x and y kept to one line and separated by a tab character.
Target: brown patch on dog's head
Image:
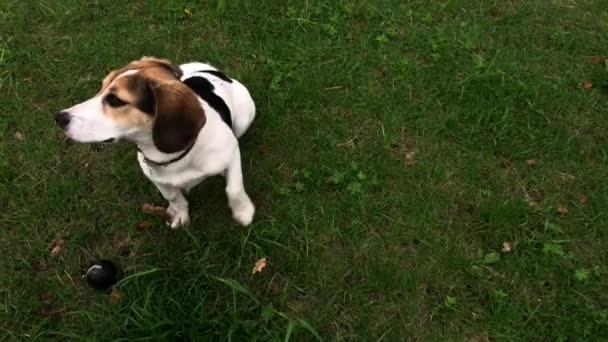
129	101
155	65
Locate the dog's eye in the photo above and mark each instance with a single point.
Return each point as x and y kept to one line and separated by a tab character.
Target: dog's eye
114	101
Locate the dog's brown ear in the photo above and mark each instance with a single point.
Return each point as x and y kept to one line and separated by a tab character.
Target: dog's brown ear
178	116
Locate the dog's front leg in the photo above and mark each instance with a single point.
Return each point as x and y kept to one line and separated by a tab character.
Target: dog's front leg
178	205
239	202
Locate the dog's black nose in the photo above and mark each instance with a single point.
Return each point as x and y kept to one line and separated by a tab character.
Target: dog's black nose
62	119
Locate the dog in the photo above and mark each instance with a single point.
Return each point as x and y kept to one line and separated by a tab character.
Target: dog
185	121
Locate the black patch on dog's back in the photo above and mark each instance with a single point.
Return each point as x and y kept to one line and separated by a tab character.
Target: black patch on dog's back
203	88
219	75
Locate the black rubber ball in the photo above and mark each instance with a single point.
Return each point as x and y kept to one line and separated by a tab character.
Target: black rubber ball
102	274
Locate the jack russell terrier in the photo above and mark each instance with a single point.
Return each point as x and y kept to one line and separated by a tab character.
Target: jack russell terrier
185	121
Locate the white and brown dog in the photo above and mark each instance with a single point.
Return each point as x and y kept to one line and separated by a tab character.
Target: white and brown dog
185	121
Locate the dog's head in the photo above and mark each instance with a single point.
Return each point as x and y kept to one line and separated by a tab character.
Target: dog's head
145	98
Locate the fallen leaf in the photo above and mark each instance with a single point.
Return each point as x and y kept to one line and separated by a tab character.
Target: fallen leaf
40	265
583	199
507	247
259	266
152	27
19	136
409	158
86	165
597	59
531	202
143	225
562	209
188	12
156	210
587	85
58	246
114	296
531	162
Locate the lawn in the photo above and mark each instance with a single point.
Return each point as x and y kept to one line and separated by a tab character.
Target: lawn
423	170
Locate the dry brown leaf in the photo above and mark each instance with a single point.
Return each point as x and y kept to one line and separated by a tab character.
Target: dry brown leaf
562	209
598	59
409	158
587	85
583	199
156	210
531	162
152	27
114	296
259	266
19	136
507	247
530	200
143	225
58	246
40	265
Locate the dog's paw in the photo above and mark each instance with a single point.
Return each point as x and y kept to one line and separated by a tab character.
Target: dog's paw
179	216
244	214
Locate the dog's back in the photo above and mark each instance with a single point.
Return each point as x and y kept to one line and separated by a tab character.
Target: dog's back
240	104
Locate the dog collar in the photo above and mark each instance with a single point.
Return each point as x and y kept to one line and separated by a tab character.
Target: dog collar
165	163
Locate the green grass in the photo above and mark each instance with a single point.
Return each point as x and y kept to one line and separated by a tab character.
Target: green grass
388	162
